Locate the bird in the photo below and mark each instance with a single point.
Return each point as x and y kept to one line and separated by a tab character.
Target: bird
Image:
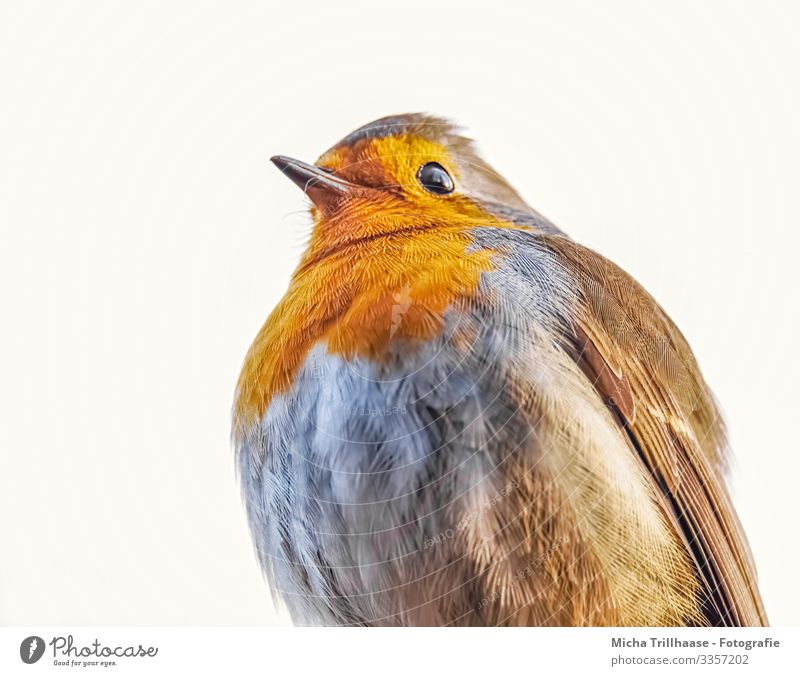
457	415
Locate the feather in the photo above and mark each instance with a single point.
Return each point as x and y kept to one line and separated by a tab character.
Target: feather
640	362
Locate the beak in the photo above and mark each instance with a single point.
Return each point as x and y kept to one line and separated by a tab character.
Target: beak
321	187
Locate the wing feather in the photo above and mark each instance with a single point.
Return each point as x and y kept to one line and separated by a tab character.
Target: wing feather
642	366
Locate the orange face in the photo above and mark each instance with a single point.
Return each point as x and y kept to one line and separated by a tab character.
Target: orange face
391	164
388	192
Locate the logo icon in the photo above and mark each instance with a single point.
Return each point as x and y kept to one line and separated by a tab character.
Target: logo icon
31	649
402	301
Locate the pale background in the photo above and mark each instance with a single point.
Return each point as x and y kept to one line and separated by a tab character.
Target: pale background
145	237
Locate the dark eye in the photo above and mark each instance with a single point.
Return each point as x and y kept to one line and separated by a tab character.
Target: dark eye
434	178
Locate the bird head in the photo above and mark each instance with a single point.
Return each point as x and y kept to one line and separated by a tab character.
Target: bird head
396	173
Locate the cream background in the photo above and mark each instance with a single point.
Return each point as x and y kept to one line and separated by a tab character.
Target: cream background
145	237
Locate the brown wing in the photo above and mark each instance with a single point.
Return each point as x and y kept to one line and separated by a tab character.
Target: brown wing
643	367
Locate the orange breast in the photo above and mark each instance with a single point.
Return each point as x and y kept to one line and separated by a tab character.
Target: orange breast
355	295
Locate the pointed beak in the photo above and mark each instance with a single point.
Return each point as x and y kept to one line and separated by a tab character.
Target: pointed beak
322	187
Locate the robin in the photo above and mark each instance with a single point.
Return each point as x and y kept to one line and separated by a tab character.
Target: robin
457	415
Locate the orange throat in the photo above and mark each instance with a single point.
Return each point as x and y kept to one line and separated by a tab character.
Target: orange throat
361	284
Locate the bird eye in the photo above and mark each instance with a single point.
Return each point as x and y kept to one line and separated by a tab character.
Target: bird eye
435	179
